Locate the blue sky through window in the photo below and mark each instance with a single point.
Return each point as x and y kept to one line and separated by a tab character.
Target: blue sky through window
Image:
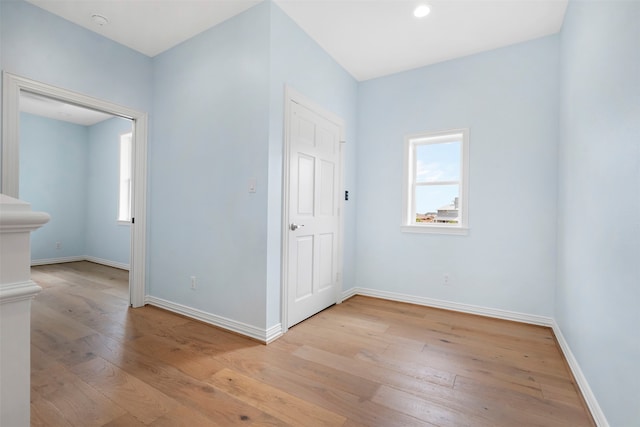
437	162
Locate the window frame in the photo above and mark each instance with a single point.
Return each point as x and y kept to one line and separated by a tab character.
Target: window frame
120	219
409	223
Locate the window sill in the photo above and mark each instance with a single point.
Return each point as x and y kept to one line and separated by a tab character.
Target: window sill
435	229
120	222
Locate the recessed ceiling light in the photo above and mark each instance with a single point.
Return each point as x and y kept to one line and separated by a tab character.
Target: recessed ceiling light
99	19
421	11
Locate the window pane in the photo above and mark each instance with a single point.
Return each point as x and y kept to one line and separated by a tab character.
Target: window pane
124	199
437	204
438	162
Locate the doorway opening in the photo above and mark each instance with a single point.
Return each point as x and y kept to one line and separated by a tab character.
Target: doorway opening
17	89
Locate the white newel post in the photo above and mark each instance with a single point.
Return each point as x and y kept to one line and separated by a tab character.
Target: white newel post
17	221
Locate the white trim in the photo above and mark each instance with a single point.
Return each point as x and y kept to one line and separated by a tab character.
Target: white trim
22	221
408	224
19	291
10	135
455	306
284	226
12	85
583	384
62	260
435	229
262	335
108	263
273	333
138	254
291	95
351	292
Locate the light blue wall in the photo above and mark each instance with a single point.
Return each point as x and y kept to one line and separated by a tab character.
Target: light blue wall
508	100
105	238
212	125
216	122
44	47
41	46
71	172
297	61
53	179
598	292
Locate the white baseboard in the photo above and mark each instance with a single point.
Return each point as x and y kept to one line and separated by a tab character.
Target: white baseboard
109	263
349	293
583	384
62	260
454	306
262	335
273	333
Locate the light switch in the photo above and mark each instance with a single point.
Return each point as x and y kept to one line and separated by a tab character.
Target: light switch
252	185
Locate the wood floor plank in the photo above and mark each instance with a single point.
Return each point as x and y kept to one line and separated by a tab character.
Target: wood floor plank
365	362
334	390
182	416
425	410
125	390
545	412
79	403
280	404
184	389
419	371
45	414
127	420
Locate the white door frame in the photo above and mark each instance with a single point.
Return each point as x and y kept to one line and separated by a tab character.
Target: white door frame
11	86
291	95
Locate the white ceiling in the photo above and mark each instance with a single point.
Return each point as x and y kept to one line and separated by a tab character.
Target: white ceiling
59	110
369	38
376	38
148	26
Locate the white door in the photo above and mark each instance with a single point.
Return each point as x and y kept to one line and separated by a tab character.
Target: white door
314	213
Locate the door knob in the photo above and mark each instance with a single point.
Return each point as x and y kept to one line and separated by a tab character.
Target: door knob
294	227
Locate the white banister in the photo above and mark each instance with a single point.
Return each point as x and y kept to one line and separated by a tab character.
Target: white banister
17	221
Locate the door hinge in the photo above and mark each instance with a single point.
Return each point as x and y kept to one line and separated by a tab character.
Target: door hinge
133	220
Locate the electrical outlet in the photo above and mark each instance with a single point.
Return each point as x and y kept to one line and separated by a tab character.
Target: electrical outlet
193	282
58	245
446	280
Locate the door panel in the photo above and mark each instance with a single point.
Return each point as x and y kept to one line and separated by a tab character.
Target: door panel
326	200
314	159
304	267
325	261
306	184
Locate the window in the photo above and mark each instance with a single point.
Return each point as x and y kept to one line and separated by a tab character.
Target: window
124	202
436	182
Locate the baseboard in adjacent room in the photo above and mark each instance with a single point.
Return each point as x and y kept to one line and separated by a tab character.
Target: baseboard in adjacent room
61	260
114	264
109	263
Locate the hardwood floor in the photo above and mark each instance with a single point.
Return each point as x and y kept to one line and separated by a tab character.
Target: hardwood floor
365	362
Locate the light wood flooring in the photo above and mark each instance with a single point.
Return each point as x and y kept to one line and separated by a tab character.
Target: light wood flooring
365	362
